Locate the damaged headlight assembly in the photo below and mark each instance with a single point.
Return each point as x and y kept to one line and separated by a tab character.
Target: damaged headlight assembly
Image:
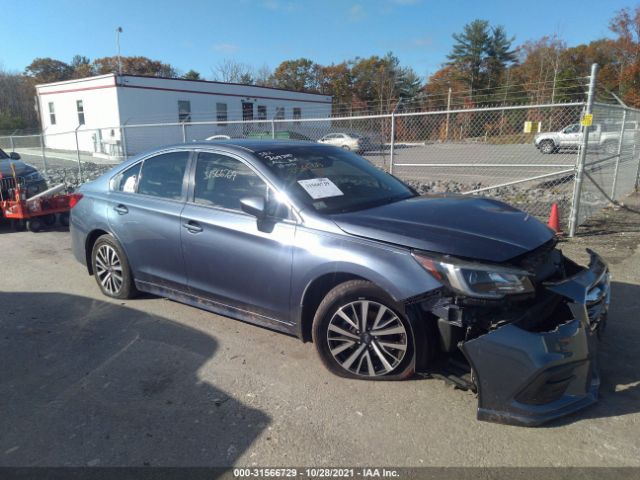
476	280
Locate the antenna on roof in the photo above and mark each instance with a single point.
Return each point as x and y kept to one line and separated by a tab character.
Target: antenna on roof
118	32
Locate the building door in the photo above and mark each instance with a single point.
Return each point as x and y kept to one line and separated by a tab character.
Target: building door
247	116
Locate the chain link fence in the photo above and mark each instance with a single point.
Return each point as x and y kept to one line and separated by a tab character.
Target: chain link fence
526	155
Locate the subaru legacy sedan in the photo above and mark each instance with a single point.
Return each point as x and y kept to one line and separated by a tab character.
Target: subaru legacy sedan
314	241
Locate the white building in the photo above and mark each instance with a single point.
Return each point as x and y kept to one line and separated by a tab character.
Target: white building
103	108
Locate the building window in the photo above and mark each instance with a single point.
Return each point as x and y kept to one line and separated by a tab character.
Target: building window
52	113
221	113
184	111
80	108
279	113
262	112
297	114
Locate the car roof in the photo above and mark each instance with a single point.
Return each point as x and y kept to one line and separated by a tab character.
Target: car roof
252	145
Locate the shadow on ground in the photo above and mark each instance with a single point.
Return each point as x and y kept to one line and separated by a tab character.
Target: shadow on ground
88	382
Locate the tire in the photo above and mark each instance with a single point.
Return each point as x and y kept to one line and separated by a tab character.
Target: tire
35	224
349	351
111	269
64	219
547	147
49	220
610	148
346	147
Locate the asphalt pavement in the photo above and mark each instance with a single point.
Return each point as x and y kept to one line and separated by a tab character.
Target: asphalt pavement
85	380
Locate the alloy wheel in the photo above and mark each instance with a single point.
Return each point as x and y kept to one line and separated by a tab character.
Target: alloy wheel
367	339
109	269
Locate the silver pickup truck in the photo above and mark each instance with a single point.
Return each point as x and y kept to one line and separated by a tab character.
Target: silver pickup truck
604	136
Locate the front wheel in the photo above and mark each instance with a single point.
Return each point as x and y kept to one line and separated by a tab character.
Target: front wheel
360	332
111	268
547	146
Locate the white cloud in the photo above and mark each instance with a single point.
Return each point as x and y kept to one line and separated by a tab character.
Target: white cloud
226	47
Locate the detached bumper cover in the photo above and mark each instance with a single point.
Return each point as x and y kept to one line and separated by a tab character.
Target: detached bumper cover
529	377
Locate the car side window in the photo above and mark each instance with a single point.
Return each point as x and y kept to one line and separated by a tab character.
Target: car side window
127	181
221	181
162	175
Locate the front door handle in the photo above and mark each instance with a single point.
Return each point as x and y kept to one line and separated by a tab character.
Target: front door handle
121	209
192	227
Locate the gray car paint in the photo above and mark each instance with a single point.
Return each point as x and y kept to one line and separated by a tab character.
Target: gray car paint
263	274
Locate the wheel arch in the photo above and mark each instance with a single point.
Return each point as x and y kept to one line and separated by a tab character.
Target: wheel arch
90	241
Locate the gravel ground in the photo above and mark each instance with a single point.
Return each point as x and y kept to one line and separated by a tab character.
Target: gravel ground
85	380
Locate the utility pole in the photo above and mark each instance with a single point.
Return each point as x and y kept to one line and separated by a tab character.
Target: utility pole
118	32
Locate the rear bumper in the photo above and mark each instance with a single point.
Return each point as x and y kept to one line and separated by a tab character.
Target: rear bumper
529	377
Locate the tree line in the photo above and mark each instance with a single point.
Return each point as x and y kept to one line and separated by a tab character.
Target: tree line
484	67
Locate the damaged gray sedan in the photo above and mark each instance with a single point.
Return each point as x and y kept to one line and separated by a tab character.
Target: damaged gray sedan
314	241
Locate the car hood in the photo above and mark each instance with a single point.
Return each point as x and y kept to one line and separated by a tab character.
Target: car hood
463	226
21	168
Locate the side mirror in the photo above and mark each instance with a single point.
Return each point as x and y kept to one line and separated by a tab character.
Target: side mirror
14	156
253	206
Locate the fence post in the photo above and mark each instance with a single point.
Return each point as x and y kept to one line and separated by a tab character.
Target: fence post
615	171
582	156
273	128
78	155
393	141
123	142
184	133
44	155
446	131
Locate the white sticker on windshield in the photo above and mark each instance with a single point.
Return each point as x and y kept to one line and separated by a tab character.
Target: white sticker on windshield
320	188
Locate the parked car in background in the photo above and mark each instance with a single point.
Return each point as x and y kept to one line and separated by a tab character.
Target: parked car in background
27	176
604	136
348	141
316	242
284	135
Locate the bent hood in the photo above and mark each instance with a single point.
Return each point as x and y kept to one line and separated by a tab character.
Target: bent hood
471	227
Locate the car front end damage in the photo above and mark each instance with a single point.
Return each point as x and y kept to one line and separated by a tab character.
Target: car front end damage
531	355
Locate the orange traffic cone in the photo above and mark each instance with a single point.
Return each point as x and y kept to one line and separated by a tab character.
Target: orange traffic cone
554	220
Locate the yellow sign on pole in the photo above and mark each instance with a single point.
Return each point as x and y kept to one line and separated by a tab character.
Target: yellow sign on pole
527	127
587	120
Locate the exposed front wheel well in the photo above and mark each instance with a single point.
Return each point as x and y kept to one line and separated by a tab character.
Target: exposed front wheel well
314	294
88	247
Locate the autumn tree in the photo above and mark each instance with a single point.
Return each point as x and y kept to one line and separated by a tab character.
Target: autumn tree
299	75
626	25
134	66
46	70
81	66
231	71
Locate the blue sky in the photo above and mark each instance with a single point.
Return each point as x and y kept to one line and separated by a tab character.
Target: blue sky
199	34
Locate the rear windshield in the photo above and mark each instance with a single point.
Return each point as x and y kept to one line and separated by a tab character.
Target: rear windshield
332	180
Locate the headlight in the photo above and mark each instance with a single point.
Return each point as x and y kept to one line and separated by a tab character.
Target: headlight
475	279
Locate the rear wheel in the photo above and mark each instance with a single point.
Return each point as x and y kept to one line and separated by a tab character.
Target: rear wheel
346	147
64	219
611	148
360	332
111	268
547	146
35	224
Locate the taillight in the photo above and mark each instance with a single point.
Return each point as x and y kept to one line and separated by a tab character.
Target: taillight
74	198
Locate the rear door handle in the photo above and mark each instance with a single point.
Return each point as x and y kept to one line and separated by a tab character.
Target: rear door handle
192	227
121	209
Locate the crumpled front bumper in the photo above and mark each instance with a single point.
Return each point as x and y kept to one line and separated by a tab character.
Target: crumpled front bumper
528	377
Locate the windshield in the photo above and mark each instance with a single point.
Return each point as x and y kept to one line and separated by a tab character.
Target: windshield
332	180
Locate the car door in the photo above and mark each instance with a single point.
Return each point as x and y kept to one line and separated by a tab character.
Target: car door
145	204
230	257
571	136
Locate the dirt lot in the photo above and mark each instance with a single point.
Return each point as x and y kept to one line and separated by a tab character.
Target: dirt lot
89	381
